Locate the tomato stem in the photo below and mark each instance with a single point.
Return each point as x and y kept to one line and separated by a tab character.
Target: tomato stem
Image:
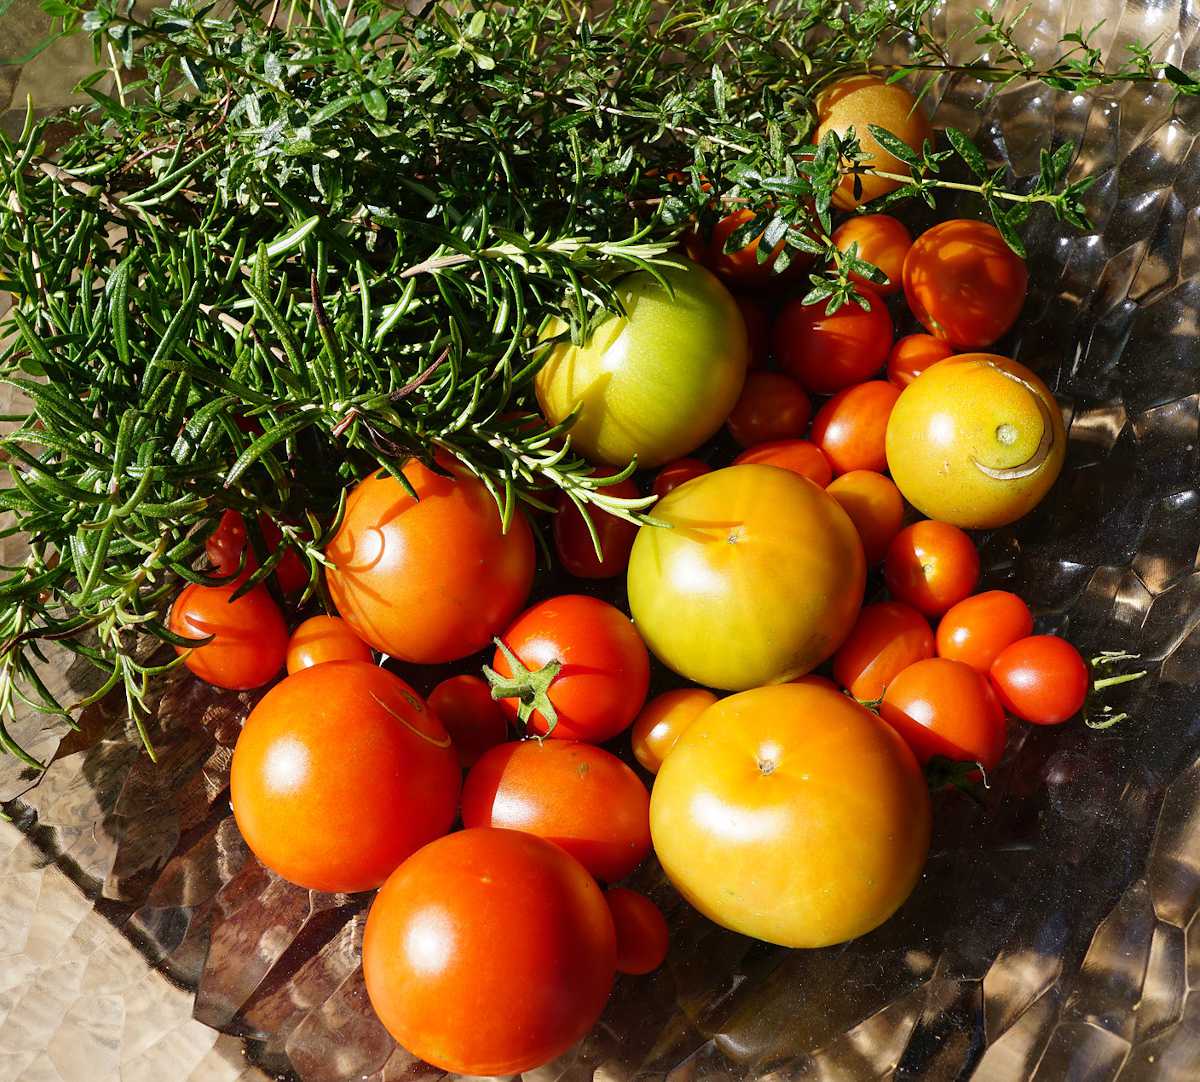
530	687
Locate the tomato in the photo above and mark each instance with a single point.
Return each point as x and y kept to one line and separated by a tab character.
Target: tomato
976	440
758	330
931	566
758	582
339	773
489	952
817	682
976	629
574	545
826	353
874	505
225	545
882	241
1042	679
942	707
575	795
604	675
857	101
663	719
912	354
741	266
793	815
249	637
852	426
433	579
772	407
474	720
324	638
642	933
798	456
676	473
886	640
657	382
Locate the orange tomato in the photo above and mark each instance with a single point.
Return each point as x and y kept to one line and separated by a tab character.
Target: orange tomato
851	428
772	406
740	267
978	628
642	933
474	720
817	682
676	473
663	719
931	566
888	638
758	330
912	354
799	456
826	353
573	543
874	505
324	638
249	637
882	241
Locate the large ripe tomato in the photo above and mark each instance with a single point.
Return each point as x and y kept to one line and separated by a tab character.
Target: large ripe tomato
912	354
604	674
1042	679
228	549
249	637
676	473
339	773
931	566
573	542
642	933
433	579
656	382
740	267
943	707
978	628
964	284
758	329
573	794
489	952
882	241
851	427
874	505
976	440
826	353
324	638
793	815
662	721
474	720
772	406
798	456
758	581
886	640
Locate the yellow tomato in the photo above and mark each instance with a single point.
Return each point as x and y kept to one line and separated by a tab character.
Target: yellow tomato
793	815
656	382
758	579
976	440
662	721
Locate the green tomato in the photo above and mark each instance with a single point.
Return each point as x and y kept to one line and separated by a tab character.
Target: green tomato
656	382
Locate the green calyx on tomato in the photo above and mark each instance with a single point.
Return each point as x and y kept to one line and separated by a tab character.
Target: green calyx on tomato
529	687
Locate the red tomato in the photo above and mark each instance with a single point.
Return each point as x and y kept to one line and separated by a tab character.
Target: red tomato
575	795
663	721
882	241
888	638
605	667
224	547
642	933
942	707
874	505
851	427
676	473
978	628
474	720
912	354
772	407
1042	679
931	566
249	637
324	638
799	456
340	773
827	353
740	267
574	545
758	330
489	952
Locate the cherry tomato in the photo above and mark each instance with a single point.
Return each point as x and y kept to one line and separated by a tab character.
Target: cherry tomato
758	330
575	795
605	668
912	354
324	638
224	547
676	473
772	407
574	545
888	638
826	353
474	720
851	428
799	456
1042	679
249	637
978	628
740	267
931	566
642	933
942	707
489	952
882	241
874	505
340	773
663	719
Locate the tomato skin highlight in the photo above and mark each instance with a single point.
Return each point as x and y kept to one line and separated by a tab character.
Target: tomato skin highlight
489	917
324	638
888	638
912	354
574	545
851	428
643	937
826	353
796	456
663	719
874	505
883	241
977	629
474	720
1042	679
249	641
772	407
677	473
931	566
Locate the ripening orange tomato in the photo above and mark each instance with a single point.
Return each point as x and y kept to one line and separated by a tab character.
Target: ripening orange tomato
851	428
248	638
977	629
324	638
882	241
826	353
662	721
758	330
874	505
740	267
912	354
642	933
931	566
886	640
772	406
799	456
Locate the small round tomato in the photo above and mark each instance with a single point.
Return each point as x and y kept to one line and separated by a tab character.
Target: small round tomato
874	505
227	543
772	407
826	353
942	707
1042	679
851	428
663	719
931	566
248	636
978	628
581	657
676	473
912	354
484	918
574	545
642	933
324	638
799	456
474	720
758	330
340	773
882	241
964	284
575	795
740	267
888	638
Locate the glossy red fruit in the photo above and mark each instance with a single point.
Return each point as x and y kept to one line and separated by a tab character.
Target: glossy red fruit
976	630
676	473
324	638
573	542
772	406
1042	679
474	720
931	566
248	636
642	933
829	352
851	428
